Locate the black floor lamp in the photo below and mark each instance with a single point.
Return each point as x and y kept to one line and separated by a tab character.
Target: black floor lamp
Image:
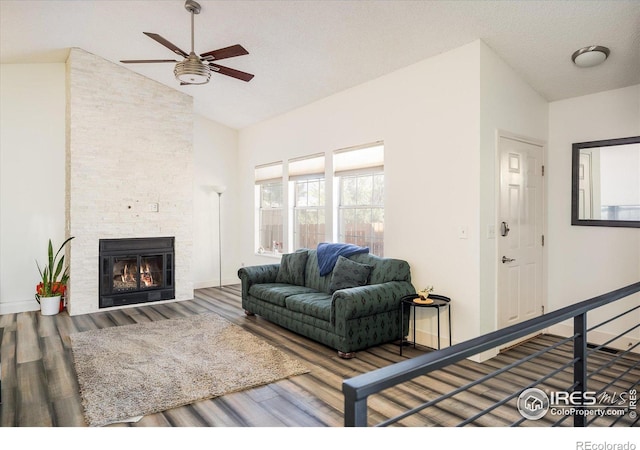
219	190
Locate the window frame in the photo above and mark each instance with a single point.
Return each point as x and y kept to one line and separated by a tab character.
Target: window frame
269	176
374	239
300	239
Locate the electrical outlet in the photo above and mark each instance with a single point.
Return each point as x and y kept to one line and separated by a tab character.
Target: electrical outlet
463	232
154	207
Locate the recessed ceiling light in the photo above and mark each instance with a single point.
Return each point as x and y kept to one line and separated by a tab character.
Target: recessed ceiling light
590	56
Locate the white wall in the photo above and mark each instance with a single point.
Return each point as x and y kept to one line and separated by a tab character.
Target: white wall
428	117
588	261
508	104
32	176
215	163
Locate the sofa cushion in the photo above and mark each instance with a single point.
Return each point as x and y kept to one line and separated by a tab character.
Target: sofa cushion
276	293
316	305
347	274
312	276
292	266
384	269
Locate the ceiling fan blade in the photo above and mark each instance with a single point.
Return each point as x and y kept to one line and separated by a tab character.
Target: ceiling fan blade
244	76
140	61
169	45
222	53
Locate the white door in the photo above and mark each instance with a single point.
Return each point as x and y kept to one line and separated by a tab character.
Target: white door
520	229
585	202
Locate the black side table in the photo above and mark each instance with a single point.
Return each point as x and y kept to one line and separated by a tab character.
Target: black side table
439	302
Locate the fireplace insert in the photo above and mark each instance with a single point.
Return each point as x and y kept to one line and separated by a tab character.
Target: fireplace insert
136	270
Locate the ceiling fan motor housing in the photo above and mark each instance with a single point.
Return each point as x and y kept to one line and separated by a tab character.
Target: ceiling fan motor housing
192	71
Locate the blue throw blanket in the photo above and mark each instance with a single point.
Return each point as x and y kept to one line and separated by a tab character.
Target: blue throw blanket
328	254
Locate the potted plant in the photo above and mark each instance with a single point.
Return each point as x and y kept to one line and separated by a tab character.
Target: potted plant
423	296
53	284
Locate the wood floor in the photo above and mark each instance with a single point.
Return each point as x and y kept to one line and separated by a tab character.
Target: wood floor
39	387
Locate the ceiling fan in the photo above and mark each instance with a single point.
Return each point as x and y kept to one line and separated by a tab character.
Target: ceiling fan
194	69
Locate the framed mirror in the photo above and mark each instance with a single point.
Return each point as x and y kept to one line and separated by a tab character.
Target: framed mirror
605	183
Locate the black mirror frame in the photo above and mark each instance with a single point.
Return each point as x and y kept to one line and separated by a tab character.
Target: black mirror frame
575	163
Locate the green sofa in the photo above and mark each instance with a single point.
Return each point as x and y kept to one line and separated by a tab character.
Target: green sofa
354	307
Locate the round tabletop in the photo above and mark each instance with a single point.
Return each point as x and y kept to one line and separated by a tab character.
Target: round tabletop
438	301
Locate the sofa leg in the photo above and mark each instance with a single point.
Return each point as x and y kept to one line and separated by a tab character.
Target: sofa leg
346	355
248	313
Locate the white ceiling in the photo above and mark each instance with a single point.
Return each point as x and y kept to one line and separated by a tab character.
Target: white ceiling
304	50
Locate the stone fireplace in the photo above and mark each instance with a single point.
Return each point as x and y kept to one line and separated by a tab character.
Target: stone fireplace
129	175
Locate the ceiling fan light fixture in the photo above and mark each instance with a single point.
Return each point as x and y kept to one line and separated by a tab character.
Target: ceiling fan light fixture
192	71
590	56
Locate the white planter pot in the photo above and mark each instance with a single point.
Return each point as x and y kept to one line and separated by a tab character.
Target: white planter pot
50	306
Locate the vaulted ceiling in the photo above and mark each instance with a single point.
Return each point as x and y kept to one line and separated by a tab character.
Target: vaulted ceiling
303	50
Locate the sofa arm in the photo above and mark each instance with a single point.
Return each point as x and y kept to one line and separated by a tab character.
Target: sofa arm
368	300
250	275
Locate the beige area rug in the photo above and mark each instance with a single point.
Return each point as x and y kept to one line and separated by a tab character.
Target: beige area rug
139	369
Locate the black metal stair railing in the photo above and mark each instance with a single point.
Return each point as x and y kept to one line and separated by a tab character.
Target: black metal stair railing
357	390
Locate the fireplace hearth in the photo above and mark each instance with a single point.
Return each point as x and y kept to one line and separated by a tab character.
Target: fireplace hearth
136	270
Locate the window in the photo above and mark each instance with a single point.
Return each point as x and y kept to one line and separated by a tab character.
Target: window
309	213
270	208
360	175
307	176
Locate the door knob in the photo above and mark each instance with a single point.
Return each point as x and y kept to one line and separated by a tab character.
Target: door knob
507	260
504	228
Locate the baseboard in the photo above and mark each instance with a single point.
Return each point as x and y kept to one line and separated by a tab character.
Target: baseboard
18	307
215	283
598	338
205	284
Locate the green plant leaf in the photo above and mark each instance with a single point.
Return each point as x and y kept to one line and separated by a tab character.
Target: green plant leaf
58	269
62	246
50	252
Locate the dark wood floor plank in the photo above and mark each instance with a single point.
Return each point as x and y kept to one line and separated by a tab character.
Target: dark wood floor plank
135	315
253	414
27	345
84	322
152	420
8	371
68	412
288	413
184	416
32	402
59	371
66	327
170	311
216	414
308	403
103	320
119	317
